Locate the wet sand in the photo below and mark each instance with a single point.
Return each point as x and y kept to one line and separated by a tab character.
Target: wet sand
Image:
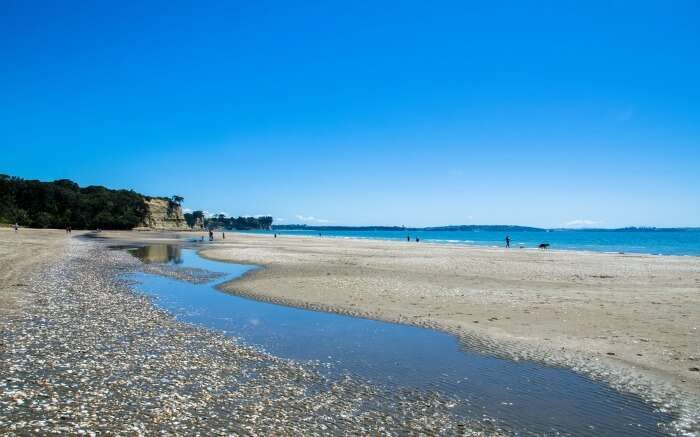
633	320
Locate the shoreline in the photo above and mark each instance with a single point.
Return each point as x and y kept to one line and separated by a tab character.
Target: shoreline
654	380
465	243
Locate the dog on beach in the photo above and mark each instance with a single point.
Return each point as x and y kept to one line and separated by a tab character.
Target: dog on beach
543	246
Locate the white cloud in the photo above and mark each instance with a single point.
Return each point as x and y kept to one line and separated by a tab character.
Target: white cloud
224	213
280	219
185	210
582	223
311	219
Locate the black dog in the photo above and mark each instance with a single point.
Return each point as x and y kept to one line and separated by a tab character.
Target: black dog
543	246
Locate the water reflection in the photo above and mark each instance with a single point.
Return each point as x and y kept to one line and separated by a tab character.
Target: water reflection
159	253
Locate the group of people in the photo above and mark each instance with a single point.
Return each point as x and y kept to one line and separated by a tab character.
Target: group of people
408	238
211	235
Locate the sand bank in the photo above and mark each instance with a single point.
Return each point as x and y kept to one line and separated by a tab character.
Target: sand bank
639	314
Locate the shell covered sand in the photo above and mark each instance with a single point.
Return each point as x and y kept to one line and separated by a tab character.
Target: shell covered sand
90	356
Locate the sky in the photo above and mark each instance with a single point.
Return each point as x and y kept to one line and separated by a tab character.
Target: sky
561	113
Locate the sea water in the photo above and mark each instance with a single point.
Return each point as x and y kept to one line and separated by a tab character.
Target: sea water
647	241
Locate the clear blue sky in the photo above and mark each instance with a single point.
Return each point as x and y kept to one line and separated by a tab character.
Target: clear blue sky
416	113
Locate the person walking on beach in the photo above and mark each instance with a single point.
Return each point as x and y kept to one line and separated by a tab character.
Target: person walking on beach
275	235
16	227
408	238
507	241
417	239
211	235
223	235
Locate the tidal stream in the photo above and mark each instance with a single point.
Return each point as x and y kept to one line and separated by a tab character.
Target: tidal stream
522	397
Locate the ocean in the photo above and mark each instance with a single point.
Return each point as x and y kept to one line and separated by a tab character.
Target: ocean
647	241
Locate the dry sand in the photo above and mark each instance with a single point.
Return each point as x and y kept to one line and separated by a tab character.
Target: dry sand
22	254
638	315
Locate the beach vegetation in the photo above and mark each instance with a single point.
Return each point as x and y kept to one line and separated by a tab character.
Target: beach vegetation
62	203
223	222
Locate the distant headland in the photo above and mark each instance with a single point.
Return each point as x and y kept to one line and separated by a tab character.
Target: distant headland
63	203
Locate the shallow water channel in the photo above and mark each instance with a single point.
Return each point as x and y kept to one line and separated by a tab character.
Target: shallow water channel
523	397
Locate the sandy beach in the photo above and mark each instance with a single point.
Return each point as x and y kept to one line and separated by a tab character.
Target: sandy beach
628	319
637	315
82	354
23	254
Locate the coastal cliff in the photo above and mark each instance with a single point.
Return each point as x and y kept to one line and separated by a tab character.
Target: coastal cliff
162	214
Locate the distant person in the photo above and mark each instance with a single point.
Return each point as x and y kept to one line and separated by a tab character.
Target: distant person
417	240
408	238
211	235
319	234
507	241
16	227
223	235
275	235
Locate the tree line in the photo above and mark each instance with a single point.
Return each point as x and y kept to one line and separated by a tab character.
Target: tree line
196	219
63	203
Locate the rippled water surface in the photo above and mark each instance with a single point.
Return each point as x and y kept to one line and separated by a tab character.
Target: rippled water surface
663	242
524	397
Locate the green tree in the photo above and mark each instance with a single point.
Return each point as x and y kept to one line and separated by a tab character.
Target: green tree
63	202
